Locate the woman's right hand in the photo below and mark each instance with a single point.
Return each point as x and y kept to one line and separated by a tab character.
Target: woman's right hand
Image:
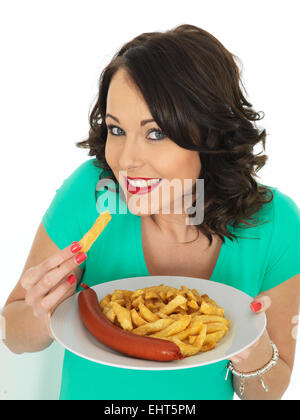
51	282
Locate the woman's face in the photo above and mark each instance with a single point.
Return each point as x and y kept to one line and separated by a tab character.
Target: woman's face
136	149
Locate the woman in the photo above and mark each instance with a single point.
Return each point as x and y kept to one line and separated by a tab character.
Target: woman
201	127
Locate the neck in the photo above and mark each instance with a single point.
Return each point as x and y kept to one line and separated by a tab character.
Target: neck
174	229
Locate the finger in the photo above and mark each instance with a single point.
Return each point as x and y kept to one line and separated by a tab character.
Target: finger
72	280
53	299
53	277
260	303
33	275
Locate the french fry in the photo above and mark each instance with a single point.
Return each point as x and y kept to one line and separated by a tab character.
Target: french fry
128	304
174	303
151	327
123	316
110	314
105	301
216	336
174	328
208	300
213	318
193	329
193	304
208	346
189	293
208	308
147	314
136	318
191	349
191	339
90	237
137	300
153	305
216	326
117	295
175	316
180	311
151	294
137	293
198	297
161	315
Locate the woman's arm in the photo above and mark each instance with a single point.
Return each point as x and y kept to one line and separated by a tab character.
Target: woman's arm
284	304
25	332
276	379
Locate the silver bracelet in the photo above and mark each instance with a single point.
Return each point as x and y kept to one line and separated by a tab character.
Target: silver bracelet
255	373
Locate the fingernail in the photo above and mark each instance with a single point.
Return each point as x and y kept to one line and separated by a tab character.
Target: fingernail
256	306
71	279
75	247
80	257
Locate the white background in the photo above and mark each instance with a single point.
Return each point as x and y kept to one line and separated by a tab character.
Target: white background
52	53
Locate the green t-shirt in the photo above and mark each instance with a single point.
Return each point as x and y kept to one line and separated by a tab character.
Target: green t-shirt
261	258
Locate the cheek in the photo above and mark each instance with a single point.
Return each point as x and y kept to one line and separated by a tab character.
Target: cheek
109	153
196	165
189	166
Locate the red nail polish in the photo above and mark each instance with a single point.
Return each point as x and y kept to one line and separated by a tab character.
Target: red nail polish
80	257
71	279
75	247
256	306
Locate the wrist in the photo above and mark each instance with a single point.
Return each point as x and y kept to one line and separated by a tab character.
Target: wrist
258	357
258	373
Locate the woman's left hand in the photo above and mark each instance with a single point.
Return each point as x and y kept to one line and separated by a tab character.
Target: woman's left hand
259	353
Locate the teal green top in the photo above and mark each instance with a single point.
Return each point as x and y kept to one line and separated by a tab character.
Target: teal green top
261	258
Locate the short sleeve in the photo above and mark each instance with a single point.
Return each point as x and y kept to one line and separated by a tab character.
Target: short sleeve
72	209
284	252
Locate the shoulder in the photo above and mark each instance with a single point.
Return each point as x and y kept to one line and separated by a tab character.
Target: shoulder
87	171
285	204
282	208
283	245
82	180
285	211
77	190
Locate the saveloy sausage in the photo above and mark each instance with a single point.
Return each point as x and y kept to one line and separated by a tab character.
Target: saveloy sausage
121	340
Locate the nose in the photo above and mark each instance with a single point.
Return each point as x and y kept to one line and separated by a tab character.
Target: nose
131	154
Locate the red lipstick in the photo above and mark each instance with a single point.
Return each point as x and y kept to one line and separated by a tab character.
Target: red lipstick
140	190
146	179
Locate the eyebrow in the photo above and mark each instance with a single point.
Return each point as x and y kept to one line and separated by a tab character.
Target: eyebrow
143	122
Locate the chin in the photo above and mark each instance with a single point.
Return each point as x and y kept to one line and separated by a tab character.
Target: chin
140	210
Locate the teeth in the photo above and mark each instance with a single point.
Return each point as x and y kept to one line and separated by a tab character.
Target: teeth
155	181
138	183
142	183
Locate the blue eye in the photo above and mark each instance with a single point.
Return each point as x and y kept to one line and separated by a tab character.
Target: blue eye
110	129
152	130
157	131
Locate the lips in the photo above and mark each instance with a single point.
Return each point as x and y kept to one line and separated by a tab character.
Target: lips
140	190
146	179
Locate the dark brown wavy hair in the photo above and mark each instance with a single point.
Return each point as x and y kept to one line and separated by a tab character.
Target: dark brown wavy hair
193	88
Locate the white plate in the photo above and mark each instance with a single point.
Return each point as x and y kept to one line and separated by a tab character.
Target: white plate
246	327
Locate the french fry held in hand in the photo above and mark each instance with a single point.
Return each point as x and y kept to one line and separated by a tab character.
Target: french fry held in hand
194	322
89	238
